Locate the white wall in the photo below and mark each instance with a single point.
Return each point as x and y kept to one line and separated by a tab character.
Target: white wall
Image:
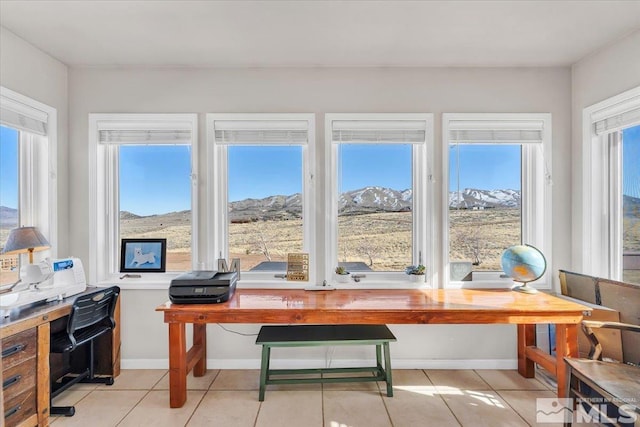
319	90
31	72
599	76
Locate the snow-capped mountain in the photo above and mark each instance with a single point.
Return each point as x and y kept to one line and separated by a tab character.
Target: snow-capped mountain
367	200
8	217
471	197
364	200
272	207
375	199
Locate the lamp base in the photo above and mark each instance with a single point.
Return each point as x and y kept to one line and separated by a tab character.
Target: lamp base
525	289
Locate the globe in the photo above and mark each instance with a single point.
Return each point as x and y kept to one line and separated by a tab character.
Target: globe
524	263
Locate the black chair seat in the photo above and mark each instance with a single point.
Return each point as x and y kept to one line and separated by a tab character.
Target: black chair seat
62	343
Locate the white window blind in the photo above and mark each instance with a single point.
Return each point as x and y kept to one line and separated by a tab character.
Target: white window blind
381	131
619	116
17	115
261	131
496	131
143	132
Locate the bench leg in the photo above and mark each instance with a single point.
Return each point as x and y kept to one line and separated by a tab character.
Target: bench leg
379	355
264	369
387	369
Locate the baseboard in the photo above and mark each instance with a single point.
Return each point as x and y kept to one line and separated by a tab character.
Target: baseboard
315	363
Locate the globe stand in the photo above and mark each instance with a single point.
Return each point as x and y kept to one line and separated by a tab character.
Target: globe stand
525	288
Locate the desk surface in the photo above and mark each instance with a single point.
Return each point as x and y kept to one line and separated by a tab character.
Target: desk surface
366	306
34	315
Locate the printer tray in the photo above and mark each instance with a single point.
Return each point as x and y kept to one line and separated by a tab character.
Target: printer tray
200	294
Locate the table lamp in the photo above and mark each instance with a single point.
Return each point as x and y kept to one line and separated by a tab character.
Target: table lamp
25	240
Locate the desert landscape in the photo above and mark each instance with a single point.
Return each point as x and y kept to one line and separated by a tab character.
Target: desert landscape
374	228
380	240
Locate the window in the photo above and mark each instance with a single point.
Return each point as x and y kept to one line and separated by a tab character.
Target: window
630	172
481	197
379	218
262	184
146	181
28	192
9	192
611	232
489	208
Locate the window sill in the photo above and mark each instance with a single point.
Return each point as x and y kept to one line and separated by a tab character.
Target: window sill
493	284
138	284
164	283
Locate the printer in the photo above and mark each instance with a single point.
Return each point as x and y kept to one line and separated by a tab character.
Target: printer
203	287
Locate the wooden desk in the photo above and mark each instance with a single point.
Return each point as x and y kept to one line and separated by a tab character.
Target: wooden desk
452	306
30	329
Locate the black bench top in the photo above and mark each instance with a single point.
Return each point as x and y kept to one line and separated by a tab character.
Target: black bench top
316	333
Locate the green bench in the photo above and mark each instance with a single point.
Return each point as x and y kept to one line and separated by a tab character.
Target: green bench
325	335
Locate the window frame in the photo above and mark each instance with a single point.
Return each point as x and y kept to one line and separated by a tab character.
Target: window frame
423	213
600	251
104	196
217	197
535	197
37	175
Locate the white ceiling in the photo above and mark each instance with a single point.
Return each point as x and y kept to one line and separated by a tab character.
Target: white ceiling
320	33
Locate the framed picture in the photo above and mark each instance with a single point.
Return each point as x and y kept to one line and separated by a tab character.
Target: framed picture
143	255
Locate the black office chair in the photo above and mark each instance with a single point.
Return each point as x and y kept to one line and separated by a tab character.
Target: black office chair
91	316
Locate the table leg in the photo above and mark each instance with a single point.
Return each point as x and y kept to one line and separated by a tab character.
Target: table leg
43	371
264	371
177	365
200	339
526	337
566	346
387	369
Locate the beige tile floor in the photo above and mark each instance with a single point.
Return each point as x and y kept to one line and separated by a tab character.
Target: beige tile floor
229	398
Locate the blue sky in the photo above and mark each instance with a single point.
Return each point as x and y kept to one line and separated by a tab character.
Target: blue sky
155	181
159	182
631	162
258	172
8	167
484	167
386	165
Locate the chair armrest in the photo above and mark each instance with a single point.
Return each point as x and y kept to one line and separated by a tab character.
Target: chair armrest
596	348
611	325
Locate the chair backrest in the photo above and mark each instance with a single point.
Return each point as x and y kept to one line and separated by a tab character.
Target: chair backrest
93	308
580	286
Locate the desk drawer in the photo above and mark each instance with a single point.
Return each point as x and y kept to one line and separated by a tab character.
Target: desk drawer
19	408
18	379
19	347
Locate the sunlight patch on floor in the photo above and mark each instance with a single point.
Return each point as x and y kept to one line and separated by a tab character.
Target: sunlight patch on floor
429	390
486	398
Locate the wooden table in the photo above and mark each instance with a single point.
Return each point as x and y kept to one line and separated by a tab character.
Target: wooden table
451	306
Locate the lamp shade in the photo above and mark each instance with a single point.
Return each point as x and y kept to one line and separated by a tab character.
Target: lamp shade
25	239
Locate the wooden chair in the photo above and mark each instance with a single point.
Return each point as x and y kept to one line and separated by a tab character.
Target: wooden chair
608	391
